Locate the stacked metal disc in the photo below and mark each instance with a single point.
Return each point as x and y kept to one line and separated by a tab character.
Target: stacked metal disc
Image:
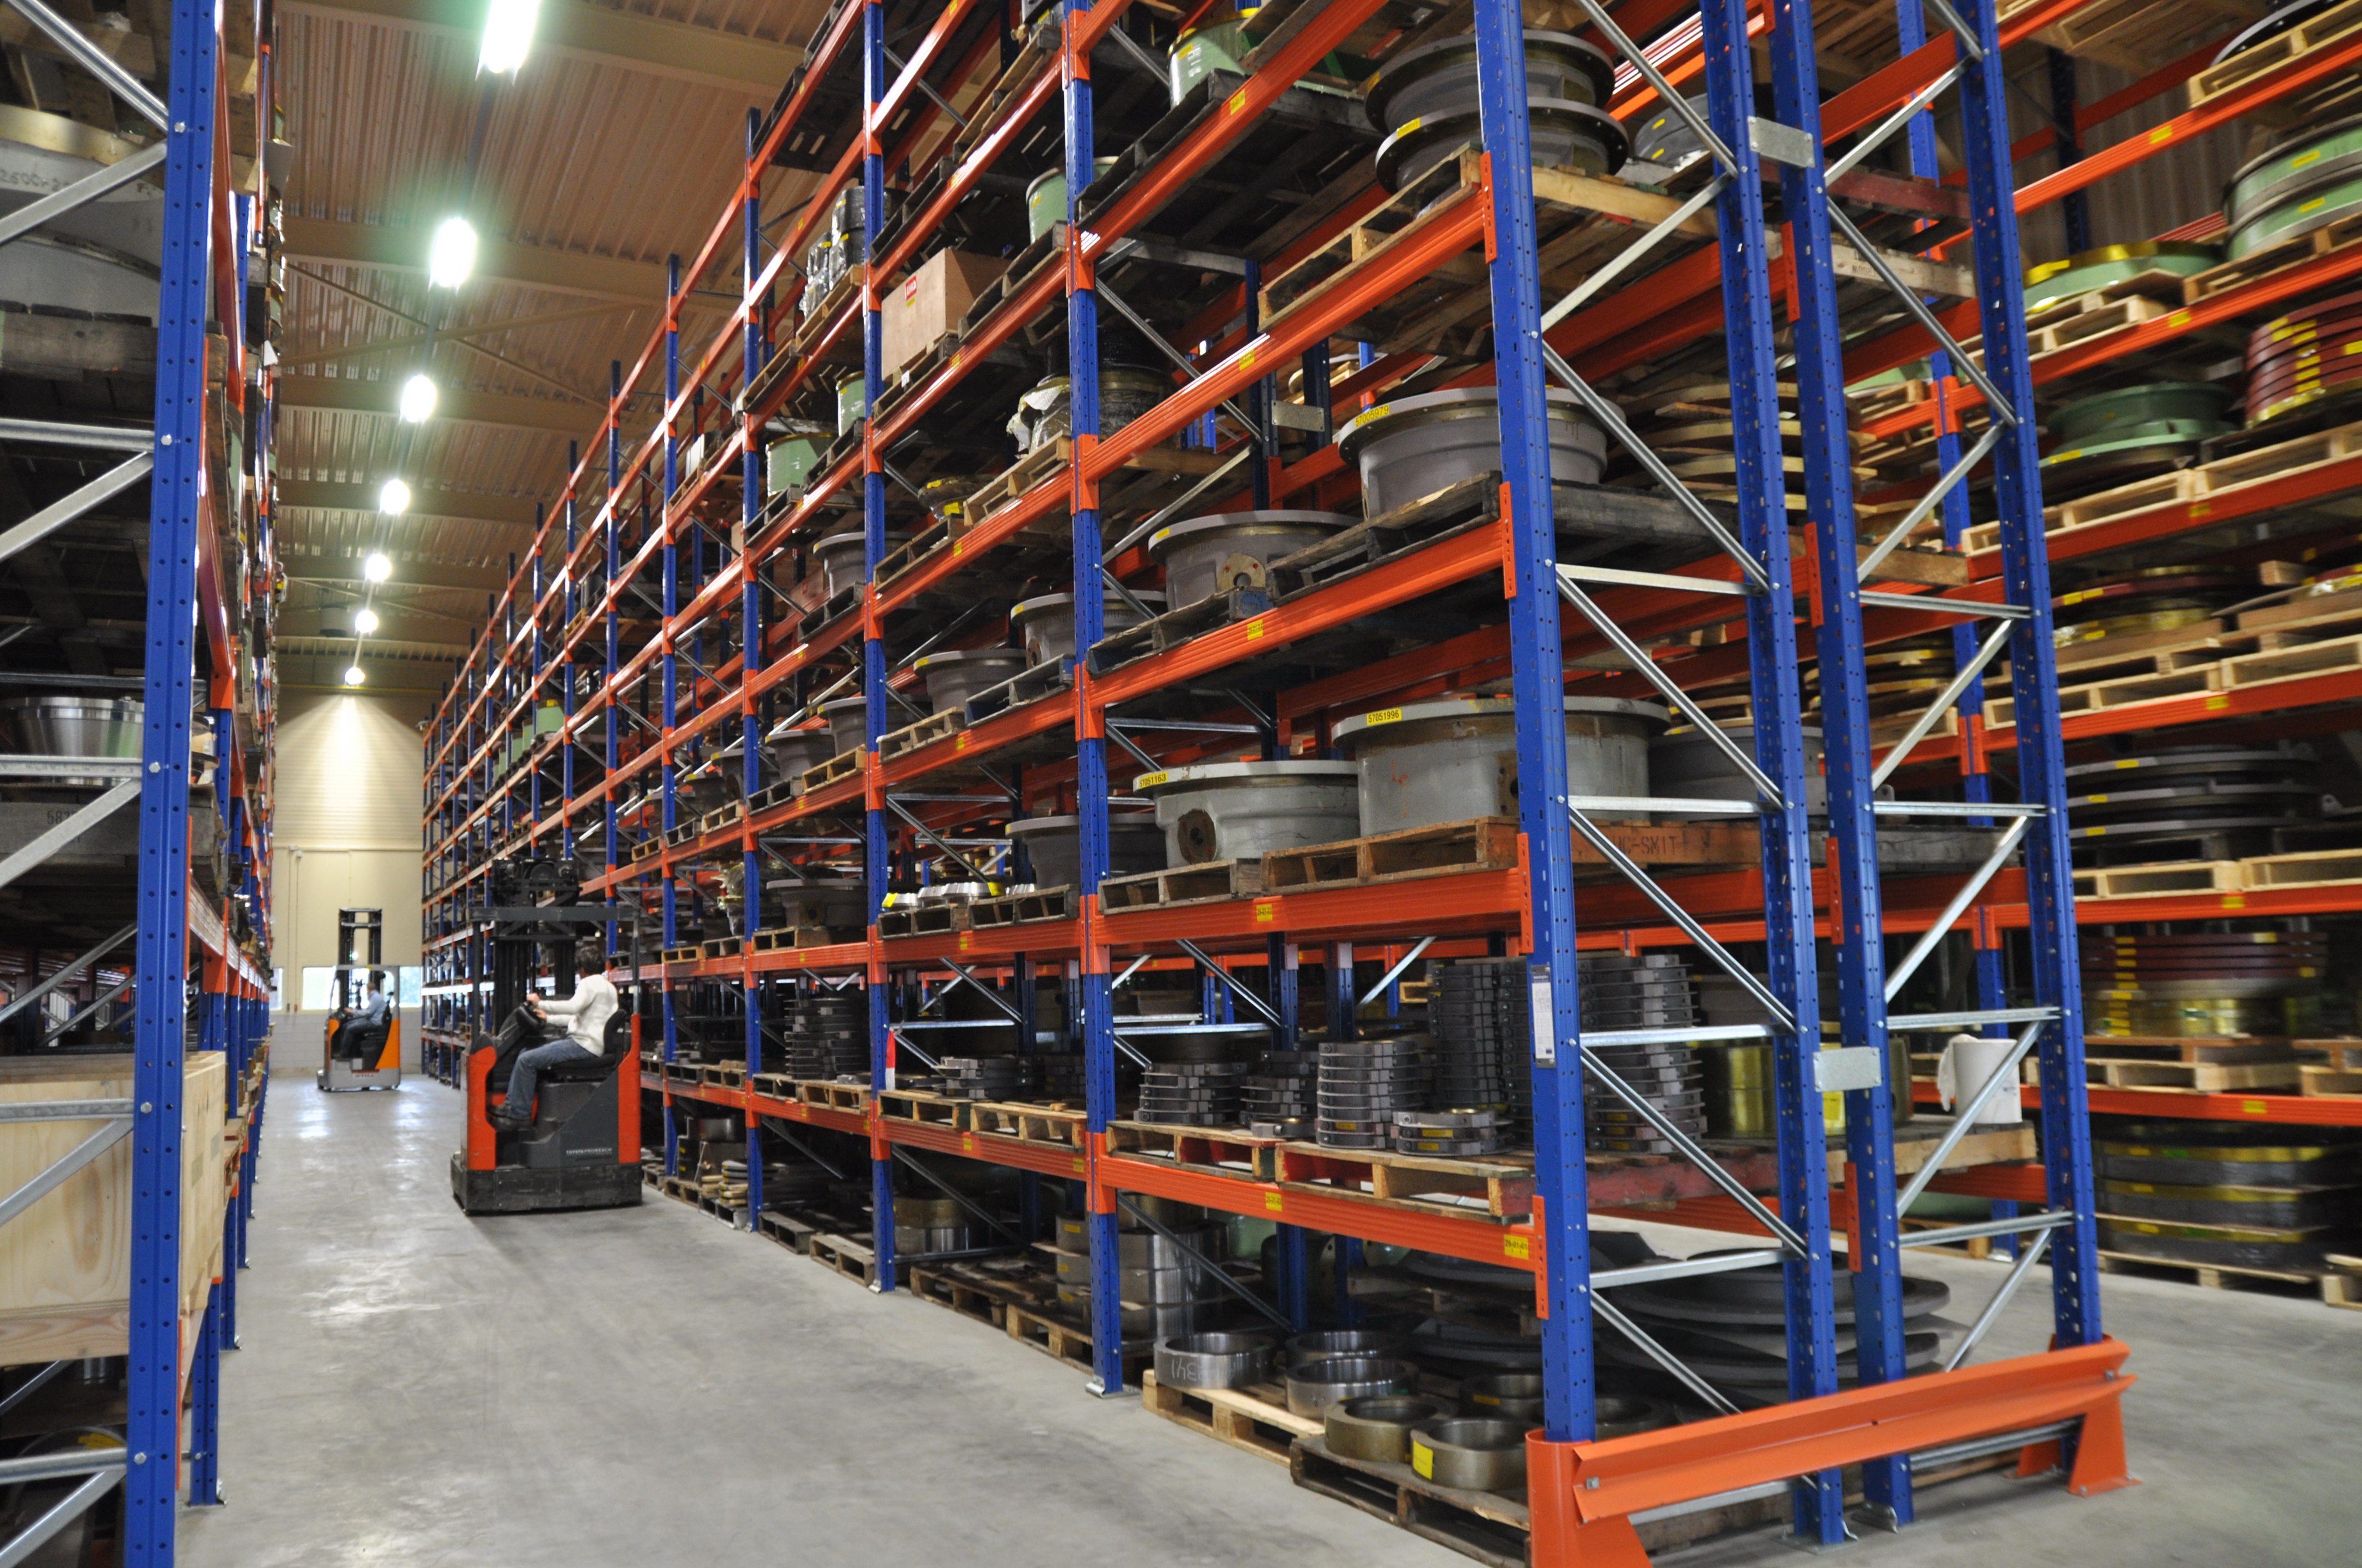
985	1077
2114	437
2156	599
1194	1094
1061	1075
1276	1097
1623	991
2310	178
2205	1193
1454	1133
828	1036
1483	1020
1731	1328
1365	1083
2195	985
2192	802
2308	356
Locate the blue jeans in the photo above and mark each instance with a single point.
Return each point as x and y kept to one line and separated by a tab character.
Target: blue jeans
528	1066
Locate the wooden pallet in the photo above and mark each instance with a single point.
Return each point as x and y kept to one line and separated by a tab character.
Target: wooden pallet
723	1076
843	764
789	1231
1045	680
2311	869
926	732
969	1291
2169	878
1225	1150
1061	1336
854	1097
922	919
1021	908
646	849
2341	1053
690	954
1491	1526
2197	1078
1208	883
851	1258
1256	1419
2286	52
2217	1049
2213	1277
2099	695
2139	36
771	795
1481	843
1174	628
719	948
1034	468
815	320
1472	503
1033	1123
1415	1180
686	833
2261	264
714	822
920	1106
2330	1083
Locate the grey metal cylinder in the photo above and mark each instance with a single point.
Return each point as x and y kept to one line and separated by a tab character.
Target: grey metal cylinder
1238	810
1564	135
1439	78
1047	623
1054	847
1043	413
814	902
1378	1428
1213	1361
76	726
843	560
1328	1344
800	751
1686	763
848	724
1413	446
1316	1385
1474	1453
956	676
1511	1395
1456	758
1206	555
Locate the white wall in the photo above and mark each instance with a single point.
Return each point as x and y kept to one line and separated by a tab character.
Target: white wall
349	784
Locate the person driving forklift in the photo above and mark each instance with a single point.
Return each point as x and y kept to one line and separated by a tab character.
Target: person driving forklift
595	1002
364	1026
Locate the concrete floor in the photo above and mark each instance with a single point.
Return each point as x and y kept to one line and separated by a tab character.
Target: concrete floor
645	1387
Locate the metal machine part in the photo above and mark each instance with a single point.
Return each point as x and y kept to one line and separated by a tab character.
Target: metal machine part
1684	763
954	677
798	752
1328	1344
844	560
1475	1453
1566	135
2310	356
1456	758
1439	78
1239	811
2080	275
1317	1384
1378	1428
848	724
1365	1083
1410	448
1217	554
1047	623
1213	1361
1124	396
1054	846
2309	179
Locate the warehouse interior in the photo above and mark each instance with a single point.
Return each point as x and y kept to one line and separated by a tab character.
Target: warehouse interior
1242	796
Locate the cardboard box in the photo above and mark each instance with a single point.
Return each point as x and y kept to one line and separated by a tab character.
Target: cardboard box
931	302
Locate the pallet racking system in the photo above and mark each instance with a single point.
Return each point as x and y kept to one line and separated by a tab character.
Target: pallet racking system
1698	268
209	697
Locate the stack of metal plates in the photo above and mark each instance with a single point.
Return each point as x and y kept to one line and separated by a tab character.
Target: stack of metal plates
1484	1039
985	1077
2313	355
1193	1094
1061	1075
1363	1083
1650	991
1731	1328
1458	1133
2193	985
2193	803
1276	1097
2201	1193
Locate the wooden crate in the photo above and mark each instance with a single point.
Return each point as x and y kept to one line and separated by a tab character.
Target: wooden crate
65	1263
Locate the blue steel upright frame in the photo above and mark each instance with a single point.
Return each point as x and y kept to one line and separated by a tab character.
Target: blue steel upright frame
874	82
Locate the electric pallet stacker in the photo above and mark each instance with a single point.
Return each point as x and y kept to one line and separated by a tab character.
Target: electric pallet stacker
582	1148
355	1055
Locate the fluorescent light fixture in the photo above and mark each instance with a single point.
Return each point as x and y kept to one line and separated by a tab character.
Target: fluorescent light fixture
393	496
452	255
508	34
377	568
364	620
418	394
355	675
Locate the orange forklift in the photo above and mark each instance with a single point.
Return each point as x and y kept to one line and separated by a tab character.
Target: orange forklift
358	1051
582	1147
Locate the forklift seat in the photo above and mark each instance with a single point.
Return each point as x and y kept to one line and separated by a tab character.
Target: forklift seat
617	1041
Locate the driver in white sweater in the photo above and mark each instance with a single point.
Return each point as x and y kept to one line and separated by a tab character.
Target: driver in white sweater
586	1012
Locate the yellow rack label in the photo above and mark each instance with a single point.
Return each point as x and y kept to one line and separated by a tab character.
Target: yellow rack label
1265	913
1517	1246
1238	101
2252	1106
1147	780
1271	1202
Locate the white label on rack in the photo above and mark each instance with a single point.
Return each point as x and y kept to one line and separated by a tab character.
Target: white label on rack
1545	1016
